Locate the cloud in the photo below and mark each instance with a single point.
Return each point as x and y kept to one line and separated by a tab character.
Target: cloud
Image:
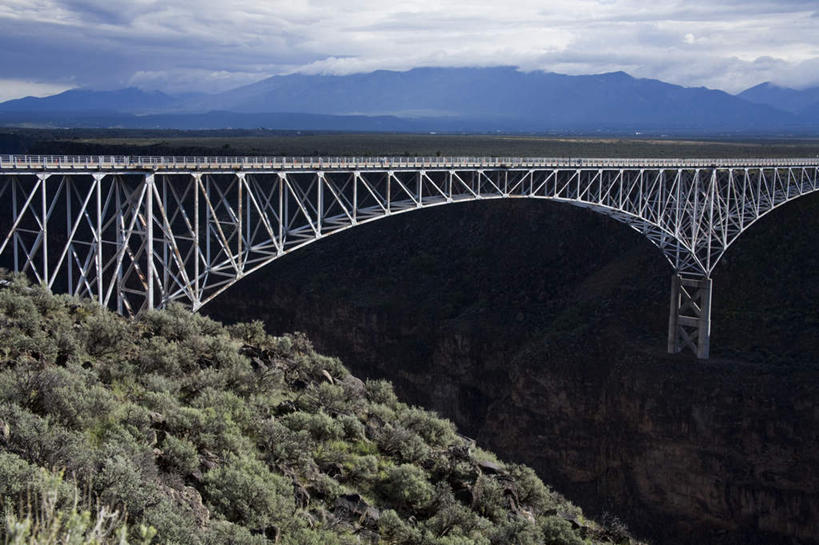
204	45
191	80
13	88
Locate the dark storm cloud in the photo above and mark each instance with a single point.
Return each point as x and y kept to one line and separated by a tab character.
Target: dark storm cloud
208	45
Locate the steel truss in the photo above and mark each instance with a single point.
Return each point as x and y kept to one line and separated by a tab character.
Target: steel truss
138	239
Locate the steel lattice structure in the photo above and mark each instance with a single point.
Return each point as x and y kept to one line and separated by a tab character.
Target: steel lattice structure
137	233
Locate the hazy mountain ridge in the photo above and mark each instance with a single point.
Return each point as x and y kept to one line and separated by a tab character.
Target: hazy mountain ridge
447	99
128	100
786	99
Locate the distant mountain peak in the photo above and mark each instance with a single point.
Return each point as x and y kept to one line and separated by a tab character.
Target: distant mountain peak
125	100
503	98
782	98
618	74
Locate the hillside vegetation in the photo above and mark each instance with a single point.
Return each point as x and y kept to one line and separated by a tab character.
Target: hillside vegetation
212	434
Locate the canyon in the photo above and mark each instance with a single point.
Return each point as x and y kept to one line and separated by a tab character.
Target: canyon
539	330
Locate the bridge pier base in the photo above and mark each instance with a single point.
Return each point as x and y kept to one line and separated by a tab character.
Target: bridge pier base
689	321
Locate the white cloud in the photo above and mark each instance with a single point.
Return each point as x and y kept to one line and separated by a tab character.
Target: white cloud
14	88
191	80
178	44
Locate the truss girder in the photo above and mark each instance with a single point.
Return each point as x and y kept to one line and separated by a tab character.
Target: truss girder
139	240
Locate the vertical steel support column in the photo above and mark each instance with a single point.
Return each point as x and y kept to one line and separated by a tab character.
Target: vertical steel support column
320	203
15	218
356	176
197	245
44	219
163	207
69	219
505	182
120	226
98	228
240	183
282	212
689	320
389	192
149	238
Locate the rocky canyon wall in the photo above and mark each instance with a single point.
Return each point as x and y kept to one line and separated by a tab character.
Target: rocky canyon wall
540	330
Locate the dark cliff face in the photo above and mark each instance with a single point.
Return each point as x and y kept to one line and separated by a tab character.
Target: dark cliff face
540	329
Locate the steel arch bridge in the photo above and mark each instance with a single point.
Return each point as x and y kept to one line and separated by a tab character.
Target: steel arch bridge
136	233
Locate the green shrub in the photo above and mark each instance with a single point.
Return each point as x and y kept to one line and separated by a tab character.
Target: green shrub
319	425
49	520
214	430
517	532
462	540
19	311
394	531
158	355
283	345
72	395
489	501
42	441
280	443
331	398
352	426
309	536
408	487
223	532
103	337
180	455
403	444
380	391
557	531
530	489
17	477
244	491
453	518
251	333
121	483
23	347
362	468
380	412
316	364
433	430
176	323
174	523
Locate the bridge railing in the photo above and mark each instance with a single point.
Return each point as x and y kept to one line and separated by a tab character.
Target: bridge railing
141	163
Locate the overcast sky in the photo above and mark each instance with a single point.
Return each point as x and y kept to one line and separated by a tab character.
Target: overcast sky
212	45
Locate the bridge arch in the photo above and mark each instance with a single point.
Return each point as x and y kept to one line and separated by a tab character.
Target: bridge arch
138	234
635	223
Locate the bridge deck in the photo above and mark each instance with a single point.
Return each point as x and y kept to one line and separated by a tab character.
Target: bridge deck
110	163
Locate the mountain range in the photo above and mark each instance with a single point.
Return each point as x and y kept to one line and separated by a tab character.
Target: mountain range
438	99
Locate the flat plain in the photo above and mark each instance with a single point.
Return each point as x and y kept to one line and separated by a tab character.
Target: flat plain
262	142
